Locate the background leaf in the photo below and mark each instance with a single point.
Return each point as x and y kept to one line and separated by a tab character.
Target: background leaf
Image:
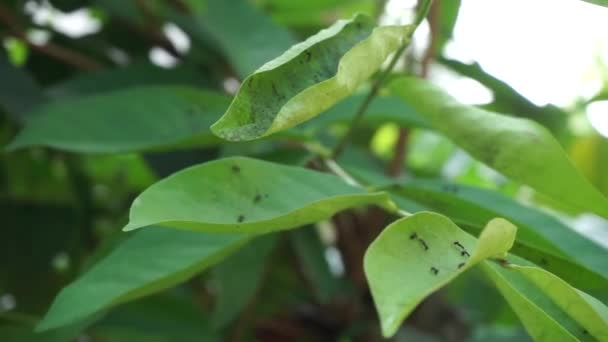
549	308
125	120
149	261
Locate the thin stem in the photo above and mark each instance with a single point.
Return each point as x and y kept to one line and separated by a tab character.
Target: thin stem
70	57
422	12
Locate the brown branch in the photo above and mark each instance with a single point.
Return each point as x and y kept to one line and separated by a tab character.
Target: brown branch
396	165
63	54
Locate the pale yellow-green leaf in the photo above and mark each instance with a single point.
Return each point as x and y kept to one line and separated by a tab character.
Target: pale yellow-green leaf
415	256
309	78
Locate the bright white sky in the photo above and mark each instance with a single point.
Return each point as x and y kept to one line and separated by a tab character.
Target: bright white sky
548	50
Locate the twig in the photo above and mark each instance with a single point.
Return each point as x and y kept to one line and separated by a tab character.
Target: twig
67	56
422	12
396	166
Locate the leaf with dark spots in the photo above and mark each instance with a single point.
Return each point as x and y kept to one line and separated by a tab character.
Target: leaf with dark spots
309	78
207	198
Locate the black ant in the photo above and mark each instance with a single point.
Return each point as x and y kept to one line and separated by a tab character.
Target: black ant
434	270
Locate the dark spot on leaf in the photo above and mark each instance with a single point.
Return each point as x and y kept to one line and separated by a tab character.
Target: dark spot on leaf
241	218
257	198
434	270
413	236
424	245
308	55
461	265
452	188
236	169
459	245
543	261
585	331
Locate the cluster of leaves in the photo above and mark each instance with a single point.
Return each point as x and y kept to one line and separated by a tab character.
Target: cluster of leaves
89	143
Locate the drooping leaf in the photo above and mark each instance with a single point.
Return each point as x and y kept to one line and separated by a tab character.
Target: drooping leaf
545	240
415	256
549	308
246	195
518	148
125	120
598	2
151	260
309	78
238	278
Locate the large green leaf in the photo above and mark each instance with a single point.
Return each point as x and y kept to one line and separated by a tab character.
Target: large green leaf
550	309
544	239
518	148
415	256
309	77
246	195
125	120
149	261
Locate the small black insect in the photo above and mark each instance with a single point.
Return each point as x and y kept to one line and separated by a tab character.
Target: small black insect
585	331
241	218
236	169
461	265
434	270
457	244
465	254
308	56
257	198
413	236
424	245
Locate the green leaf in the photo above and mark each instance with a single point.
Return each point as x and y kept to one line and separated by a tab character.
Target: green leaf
381	110
246	195
130	76
518	148
311	257
309	78
415	256
246	35
151	260
166	317
598	2
550	309
545	240
125	120
248	266
19	93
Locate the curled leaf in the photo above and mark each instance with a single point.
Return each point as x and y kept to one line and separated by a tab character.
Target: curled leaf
309	78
